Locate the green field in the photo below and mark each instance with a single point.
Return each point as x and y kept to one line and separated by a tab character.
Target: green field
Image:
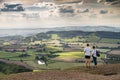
70	54
55	65
15	55
92	38
6	55
104	50
74	39
107	40
54	36
54	48
73	54
52	64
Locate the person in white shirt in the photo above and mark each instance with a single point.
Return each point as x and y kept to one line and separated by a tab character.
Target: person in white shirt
94	55
87	51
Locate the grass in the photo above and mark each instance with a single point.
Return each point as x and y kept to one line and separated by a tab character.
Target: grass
107	40
54	36
73	55
104	50
54	48
61	64
15	55
55	65
70	54
109	45
7	55
74	39
101	69
93	38
23	58
51	65
2	75
78	73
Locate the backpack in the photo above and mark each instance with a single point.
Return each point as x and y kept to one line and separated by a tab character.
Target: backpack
98	53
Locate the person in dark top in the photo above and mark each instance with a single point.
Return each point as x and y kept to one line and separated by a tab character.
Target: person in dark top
94	55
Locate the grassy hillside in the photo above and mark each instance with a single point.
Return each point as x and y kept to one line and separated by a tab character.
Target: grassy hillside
11	68
105	72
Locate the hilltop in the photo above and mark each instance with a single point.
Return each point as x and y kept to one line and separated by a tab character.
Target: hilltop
104	72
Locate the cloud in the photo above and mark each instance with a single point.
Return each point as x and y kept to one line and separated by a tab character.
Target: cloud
65	15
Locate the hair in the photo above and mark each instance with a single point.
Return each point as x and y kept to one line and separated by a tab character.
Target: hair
87	44
93	47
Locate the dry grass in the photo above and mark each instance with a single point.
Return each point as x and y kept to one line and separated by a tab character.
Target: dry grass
101	69
72	74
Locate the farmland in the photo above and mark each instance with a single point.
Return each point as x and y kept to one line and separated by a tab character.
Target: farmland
55	50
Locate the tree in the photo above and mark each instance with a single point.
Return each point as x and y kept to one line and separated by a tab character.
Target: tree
118	42
36	58
43	58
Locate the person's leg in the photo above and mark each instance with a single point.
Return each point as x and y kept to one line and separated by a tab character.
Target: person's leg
89	63
95	61
86	62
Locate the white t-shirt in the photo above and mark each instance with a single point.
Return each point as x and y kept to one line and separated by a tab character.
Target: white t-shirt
87	51
94	53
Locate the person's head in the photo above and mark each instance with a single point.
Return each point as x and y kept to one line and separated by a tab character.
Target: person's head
93	47
87	44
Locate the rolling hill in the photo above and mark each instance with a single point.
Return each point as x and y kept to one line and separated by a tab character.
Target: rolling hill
33	31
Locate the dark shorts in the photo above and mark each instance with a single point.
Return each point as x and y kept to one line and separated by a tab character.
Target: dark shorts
87	57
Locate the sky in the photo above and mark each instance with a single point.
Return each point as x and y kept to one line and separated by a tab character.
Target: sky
81	15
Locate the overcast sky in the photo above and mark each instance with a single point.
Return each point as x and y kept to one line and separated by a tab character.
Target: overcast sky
82	16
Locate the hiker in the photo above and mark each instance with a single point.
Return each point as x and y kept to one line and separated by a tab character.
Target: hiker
87	51
94	55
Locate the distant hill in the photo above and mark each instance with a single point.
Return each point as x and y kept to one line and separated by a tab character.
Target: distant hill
33	31
101	34
89	28
97	35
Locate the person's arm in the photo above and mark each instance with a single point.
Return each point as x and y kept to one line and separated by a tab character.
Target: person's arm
92	52
84	50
